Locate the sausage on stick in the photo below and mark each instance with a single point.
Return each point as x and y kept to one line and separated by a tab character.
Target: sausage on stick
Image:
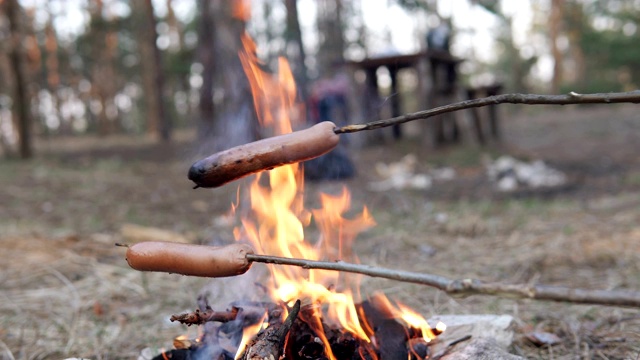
240	161
189	259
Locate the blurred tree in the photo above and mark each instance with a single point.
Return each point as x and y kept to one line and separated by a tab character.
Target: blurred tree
206	37
176	32
227	117
608	39
295	48
21	97
575	24
555	29
158	121
514	67
332	43
100	56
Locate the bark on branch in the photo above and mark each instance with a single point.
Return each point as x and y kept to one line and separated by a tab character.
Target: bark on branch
269	343
466	287
527	99
200	317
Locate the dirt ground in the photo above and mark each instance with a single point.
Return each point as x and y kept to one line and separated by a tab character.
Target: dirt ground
66	290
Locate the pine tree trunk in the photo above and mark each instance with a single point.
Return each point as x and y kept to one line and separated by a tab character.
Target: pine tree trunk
227	117
206	38
555	24
162	120
159	123
293	37
332	46
21	98
103	73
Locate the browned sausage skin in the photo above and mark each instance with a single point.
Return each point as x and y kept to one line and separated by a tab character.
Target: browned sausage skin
189	259
240	161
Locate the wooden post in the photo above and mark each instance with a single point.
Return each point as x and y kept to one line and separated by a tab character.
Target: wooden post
395	100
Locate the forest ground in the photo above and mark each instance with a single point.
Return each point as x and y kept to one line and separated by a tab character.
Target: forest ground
66	290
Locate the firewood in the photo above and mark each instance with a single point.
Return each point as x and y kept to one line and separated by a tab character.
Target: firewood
200	317
269	343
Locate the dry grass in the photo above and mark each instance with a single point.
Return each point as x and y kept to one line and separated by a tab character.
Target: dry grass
65	290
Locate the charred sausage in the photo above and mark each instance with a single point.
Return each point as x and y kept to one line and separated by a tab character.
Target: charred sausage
189	259
240	161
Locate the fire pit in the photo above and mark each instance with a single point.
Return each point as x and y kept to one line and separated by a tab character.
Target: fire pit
300	333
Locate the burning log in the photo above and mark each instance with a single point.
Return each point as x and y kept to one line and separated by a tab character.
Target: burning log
269	343
238	162
303	335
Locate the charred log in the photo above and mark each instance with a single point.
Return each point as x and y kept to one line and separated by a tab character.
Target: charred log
269	343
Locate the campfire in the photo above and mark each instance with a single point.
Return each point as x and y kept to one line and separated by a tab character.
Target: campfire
310	306
305	313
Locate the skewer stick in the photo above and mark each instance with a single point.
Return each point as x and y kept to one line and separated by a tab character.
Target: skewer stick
467	287
244	160
527	99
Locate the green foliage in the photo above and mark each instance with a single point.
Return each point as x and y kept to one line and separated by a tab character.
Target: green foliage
608	37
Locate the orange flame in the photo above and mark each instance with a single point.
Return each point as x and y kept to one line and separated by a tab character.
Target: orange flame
277	220
411	318
248	333
241	10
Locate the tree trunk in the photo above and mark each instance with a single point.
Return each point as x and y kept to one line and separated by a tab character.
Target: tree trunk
103	72
206	38
227	117
293	37
21	98
555	25
575	23
174	28
159	123
332	44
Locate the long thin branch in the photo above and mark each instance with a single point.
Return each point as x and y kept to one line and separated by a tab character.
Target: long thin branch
528	99
466	287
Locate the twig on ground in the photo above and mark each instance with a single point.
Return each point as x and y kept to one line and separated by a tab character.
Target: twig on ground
527	99
466	287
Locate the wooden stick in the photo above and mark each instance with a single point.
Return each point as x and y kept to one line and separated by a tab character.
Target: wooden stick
466	287
527	99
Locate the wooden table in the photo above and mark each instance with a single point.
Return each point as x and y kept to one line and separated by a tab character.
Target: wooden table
442	76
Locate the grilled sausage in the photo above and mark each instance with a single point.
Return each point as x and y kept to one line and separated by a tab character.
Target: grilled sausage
189	259
240	161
